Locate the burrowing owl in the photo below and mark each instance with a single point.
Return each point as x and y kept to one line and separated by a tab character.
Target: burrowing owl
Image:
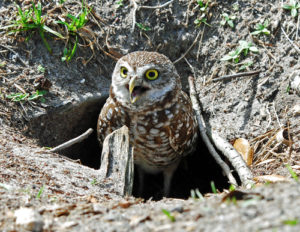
146	96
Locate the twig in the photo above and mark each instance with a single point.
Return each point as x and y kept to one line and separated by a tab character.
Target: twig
298	21
235	159
204	136
294	45
156	7
135	6
200	42
187	51
73	141
227	77
6	47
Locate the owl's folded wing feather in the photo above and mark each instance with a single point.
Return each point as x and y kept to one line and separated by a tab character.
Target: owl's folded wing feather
183	129
110	119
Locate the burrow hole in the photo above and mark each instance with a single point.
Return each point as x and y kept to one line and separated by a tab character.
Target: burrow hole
196	171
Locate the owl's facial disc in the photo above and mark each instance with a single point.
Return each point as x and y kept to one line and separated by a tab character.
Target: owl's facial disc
136	89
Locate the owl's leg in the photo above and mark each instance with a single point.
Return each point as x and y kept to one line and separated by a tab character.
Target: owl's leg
168	175
141	174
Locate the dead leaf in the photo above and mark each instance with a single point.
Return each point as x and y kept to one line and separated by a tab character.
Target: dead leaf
243	147
124	204
265	162
240	195
135	220
271	178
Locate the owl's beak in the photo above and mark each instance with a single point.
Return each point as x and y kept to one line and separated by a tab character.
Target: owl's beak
136	89
132	84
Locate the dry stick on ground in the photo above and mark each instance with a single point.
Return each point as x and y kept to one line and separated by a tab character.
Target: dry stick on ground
294	45
187	51
204	136
18	56
227	77
73	141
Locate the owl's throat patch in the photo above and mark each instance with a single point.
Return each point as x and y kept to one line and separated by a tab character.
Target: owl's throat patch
137	92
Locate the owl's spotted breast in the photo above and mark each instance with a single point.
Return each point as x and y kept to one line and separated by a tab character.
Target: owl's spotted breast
162	126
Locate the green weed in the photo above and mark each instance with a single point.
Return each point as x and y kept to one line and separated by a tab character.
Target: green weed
293	174
204	8
76	23
38	196
119	3
17	97
94	181
195	194
32	20
143	27
261	28
213	187
228	19
41	69
293	6
168	214
245	65
292	222
243	49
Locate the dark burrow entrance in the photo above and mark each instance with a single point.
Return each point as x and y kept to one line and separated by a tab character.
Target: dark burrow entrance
196	171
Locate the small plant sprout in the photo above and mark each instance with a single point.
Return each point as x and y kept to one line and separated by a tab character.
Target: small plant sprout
203	5
204	10
17	97
261	28
38	196
245	65
143	27
119	3
293	6
195	194
94	181
77	22
243	48
228	19
292	222
213	187
231	187
41	69
168	214
236	7
31	20
293	174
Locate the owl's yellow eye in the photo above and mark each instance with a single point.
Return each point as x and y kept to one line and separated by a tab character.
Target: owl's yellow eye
124	72
151	74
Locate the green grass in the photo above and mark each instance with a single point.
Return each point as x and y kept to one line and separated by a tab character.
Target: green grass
292	222
204	8
75	23
243	49
293	174
293	6
261	28
195	194
39	194
213	187
168	214
17	97
143	27
31	20
119	3
94	181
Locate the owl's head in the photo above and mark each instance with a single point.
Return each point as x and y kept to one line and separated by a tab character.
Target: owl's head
142	79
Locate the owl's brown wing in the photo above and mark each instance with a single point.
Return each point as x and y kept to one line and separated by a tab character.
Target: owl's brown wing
183	129
111	118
